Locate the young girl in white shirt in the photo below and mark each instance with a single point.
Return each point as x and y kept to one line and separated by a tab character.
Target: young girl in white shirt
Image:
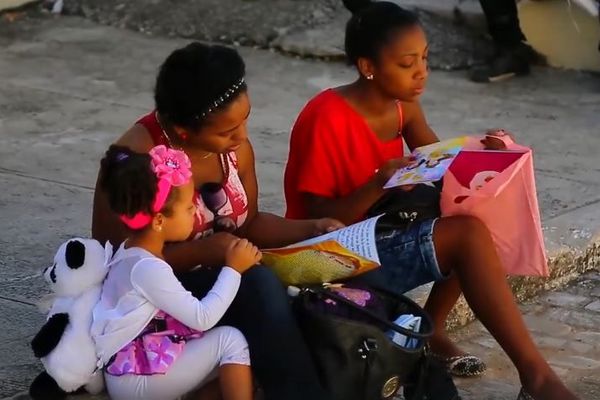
153	338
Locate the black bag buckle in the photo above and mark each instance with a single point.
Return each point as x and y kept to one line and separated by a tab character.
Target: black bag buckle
408	216
368	345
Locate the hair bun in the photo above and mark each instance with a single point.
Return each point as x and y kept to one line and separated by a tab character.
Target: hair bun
356	6
117	154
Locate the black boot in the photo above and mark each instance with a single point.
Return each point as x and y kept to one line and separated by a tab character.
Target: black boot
507	63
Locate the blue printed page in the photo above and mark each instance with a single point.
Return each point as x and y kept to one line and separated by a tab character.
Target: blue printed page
430	163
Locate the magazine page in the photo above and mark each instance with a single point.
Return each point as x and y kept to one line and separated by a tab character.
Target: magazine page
359	238
337	255
430	165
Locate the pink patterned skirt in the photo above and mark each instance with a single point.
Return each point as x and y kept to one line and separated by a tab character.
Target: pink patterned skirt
154	350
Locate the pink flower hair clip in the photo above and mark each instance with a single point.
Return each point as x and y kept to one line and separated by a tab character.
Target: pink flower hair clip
171	165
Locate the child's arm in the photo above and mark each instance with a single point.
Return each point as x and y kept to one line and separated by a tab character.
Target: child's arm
155	280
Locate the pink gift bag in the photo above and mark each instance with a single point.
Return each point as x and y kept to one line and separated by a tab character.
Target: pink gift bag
498	187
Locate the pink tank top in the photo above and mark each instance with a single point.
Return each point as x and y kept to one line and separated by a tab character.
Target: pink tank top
219	206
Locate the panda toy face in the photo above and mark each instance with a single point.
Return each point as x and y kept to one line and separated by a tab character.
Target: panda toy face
78	265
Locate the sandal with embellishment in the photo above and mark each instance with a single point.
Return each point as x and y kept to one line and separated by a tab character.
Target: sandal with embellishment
523	395
463	366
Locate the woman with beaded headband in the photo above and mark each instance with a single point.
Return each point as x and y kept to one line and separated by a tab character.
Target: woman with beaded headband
202	107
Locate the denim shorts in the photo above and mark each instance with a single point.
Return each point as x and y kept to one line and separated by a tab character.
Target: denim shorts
407	258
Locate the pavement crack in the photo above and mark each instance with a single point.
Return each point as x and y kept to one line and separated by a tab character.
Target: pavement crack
560	214
28	303
76	96
12	172
553	174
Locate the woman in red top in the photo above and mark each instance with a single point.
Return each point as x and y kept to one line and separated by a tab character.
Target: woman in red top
202	107
345	145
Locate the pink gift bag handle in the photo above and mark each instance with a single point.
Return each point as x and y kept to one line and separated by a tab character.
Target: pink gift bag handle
474	143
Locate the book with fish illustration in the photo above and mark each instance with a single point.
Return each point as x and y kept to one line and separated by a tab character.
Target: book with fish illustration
337	255
430	163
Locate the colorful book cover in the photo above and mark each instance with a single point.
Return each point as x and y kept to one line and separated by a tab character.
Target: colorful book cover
341	254
430	163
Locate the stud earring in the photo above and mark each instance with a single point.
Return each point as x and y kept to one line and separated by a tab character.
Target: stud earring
370	77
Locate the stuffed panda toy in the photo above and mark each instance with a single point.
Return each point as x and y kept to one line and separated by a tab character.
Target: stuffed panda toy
64	344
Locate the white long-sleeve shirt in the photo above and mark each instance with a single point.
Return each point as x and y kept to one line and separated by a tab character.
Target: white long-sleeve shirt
139	285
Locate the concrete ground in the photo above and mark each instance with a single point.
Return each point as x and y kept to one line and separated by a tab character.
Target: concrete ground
70	87
565	324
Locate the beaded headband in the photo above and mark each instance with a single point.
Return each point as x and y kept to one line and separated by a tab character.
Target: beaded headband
222	99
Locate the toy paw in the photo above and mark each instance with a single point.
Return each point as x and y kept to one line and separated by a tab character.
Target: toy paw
45	387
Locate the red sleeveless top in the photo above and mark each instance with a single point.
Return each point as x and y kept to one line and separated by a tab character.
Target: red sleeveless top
219	206
333	151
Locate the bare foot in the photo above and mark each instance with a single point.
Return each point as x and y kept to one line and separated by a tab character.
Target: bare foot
548	387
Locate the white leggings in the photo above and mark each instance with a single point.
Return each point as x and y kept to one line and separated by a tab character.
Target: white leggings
197	364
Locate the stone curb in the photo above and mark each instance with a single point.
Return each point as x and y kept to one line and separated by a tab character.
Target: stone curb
565	266
14	5
447	28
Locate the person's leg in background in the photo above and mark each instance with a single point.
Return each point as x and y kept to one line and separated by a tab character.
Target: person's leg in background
503	21
512	56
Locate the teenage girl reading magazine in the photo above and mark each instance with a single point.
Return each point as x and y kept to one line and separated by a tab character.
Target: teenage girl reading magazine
346	144
154	338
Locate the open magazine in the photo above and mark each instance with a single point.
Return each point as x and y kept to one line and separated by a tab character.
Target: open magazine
430	163
337	255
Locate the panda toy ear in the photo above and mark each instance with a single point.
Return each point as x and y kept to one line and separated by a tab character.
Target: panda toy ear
108	253
75	254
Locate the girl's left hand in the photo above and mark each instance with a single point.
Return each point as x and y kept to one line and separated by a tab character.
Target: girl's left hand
326	225
497	139
500	133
